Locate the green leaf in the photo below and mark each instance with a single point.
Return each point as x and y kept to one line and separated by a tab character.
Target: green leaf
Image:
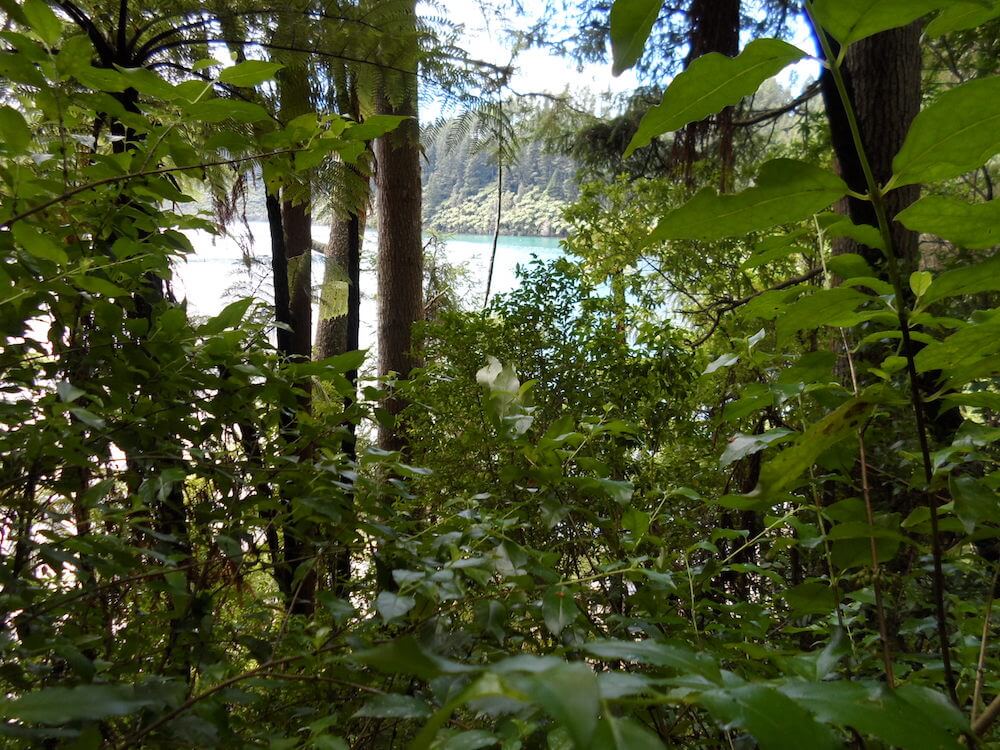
863	234
678	658
43	21
37	244
230	317
956	134
960	16
964	347
774	720
782	471
981	277
636	522
220	110
558	609
98	285
393	606
569	694
395	707
724	360
88	417
920	282
60	705
470	740
850	266
898	718
406	656
631	22
811	598
851	20
14	131
250	73
740	445
68	393
624	734
826	307
974	226
787	191
974	502
710	84
373	127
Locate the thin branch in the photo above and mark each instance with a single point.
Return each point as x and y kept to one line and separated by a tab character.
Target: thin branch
772	114
133	175
719	308
977	693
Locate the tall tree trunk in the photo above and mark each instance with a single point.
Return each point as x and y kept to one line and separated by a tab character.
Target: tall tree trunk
400	245
882	74
296	226
715	27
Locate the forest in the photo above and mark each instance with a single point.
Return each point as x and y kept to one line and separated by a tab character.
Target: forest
722	475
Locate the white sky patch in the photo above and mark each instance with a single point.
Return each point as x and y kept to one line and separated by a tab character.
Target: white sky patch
536	70
489	38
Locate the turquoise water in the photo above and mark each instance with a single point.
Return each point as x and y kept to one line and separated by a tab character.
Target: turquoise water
220	271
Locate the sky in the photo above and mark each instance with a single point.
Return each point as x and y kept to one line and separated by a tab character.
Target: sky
538	70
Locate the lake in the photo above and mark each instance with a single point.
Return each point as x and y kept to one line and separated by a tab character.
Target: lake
220	271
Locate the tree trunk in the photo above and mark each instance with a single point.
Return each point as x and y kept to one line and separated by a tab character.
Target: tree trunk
400	245
715	27
296	235
882	74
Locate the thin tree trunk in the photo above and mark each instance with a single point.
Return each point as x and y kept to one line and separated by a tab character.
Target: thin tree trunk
496	232
296	224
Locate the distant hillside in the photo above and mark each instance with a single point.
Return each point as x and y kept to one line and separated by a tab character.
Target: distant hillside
460	187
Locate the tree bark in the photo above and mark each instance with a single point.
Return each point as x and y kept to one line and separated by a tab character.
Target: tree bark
715	27
400	245
882	74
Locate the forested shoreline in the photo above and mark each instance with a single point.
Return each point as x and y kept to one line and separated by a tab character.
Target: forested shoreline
722	473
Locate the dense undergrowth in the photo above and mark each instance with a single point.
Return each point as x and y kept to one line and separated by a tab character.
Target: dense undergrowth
705	485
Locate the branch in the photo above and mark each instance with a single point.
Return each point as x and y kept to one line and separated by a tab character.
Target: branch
772	114
126	177
718	309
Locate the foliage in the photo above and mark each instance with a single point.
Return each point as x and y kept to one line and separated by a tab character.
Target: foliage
699	483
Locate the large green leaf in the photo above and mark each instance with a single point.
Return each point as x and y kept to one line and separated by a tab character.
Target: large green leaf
406	656
954	135
826	307
568	693
980	277
975	226
558	609
975	502
15	133
624	734
219	110
811	598
654	653
851	20
907	718
784	469
787	191
45	23
712	83
631	22
393	706
964	347
774	720
962	15
59	705
250	73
